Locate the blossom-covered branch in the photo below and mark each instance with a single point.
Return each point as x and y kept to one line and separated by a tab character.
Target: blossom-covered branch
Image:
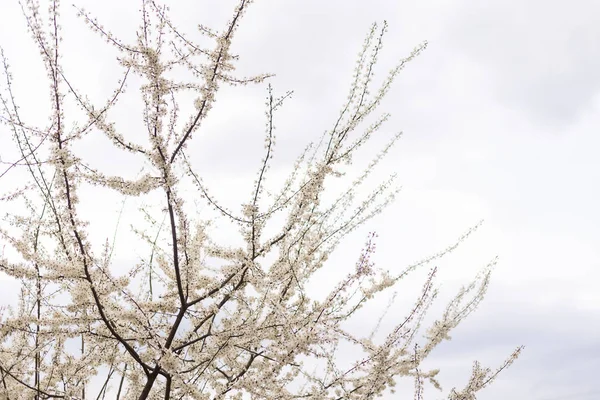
199	319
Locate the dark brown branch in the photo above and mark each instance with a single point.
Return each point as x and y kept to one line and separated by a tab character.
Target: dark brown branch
43	393
215	69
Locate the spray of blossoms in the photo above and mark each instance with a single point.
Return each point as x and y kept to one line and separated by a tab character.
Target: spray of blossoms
175	326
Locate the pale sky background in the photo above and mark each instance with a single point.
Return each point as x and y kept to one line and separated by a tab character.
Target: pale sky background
500	118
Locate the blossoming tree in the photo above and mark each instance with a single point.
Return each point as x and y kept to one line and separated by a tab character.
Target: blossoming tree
174	326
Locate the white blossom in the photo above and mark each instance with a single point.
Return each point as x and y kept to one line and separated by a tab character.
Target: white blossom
196	328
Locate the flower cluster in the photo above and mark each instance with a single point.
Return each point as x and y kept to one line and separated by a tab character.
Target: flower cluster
199	319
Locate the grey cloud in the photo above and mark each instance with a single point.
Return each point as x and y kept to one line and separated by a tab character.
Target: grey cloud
538	58
544	55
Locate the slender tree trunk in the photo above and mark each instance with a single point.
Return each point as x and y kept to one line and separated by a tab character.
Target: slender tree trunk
37	338
82	353
149	384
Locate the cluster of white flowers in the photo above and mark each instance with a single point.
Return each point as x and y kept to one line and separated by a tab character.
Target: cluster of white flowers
193	330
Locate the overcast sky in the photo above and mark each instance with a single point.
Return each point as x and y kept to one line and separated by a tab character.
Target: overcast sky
500	118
